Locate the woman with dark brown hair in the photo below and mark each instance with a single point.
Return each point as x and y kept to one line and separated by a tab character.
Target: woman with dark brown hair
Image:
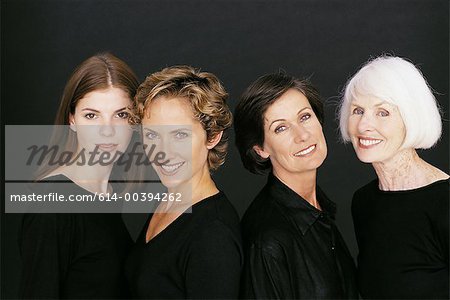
293	248
80	255
189	248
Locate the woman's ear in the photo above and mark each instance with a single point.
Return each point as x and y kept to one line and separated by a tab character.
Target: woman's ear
214	141
72	123
260	151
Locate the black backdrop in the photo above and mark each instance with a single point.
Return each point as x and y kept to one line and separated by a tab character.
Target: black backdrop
42	41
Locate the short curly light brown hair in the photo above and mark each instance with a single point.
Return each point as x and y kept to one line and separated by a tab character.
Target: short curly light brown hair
205	94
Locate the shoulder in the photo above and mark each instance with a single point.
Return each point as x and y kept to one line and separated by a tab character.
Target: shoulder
224	210
438	193
215	217
46	219
214	230
216	209
216	239
58	183
260	209
55	178
36	219
362	200
369	188
268	232
46	225
263	218
271	242
47	184
440	189
365	192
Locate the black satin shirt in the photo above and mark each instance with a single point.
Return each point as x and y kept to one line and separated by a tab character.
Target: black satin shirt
293	250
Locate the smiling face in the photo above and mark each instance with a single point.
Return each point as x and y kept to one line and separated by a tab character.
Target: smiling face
376	129
169	124
101	120
293	137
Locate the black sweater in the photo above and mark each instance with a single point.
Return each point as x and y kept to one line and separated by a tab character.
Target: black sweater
403	239
73	255
198	255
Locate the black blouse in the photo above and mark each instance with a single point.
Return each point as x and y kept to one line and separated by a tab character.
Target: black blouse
198	256
403	239
72	255
292	249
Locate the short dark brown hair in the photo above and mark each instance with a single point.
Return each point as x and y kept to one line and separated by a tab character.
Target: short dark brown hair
205	94
249	114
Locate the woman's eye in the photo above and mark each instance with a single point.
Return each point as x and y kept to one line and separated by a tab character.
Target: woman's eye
305	117
280	129
123	115
151	135
358	111
90	116
181	135
383	113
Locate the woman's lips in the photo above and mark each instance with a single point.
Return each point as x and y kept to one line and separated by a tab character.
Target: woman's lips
367	143
170	169
107	147
306	151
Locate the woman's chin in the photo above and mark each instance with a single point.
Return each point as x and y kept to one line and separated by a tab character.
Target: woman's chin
173	183
365	158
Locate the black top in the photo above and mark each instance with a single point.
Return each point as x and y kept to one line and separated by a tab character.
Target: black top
198	255
403	241
292	249
73	255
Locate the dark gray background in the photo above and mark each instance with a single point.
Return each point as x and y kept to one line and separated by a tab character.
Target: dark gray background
42	41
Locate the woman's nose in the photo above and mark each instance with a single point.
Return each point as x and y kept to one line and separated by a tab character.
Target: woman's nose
366	123
166	146
301	134
107	129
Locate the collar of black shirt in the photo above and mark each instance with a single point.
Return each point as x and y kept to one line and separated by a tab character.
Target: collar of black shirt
302	211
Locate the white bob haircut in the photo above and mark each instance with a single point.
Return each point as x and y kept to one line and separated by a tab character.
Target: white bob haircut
400	83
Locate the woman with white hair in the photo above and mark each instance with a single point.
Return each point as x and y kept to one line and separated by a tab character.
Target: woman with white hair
401	218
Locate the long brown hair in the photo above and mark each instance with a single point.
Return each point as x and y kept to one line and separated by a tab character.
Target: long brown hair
98	72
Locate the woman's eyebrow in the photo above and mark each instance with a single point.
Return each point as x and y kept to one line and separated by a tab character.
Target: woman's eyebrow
181	128
90	109
299	112
120	109
277	120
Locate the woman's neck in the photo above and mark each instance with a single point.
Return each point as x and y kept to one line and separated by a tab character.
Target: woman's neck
195	190
94	179
406	171
304	184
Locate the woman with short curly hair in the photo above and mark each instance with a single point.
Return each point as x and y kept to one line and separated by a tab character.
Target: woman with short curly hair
184	115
